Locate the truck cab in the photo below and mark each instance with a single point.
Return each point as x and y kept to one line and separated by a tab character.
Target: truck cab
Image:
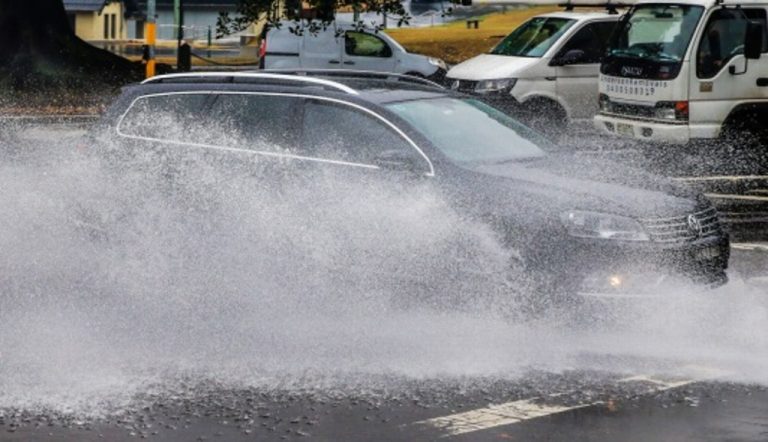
548	67
681	71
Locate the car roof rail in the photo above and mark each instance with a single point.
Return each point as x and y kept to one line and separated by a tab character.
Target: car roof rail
358	74
609	6
236	77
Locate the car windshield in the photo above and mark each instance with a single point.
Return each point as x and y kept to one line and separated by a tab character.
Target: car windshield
534	37
656	32
469	131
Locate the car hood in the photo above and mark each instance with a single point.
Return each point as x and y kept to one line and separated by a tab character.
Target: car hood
488	66
563	182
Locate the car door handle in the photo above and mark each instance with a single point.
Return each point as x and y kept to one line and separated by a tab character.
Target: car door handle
333	61
762	82
349	62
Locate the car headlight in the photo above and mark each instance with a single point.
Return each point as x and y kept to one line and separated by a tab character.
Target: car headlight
437	62
497	85
585	224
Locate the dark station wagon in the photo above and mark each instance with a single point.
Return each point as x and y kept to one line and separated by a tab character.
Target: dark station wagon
584	225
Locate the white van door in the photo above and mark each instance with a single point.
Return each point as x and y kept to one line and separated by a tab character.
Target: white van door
577	81
367	52
321	50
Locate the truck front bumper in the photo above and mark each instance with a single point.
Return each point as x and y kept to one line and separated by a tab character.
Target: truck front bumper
645	130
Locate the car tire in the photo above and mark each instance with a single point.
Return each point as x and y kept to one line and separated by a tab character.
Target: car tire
546	117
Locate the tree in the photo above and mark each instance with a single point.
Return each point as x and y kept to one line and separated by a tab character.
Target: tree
317	15
39	51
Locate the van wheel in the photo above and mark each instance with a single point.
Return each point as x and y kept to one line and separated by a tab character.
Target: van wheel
546	117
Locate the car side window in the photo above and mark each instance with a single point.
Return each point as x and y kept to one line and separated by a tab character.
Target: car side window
173	117
723	38
339	132
591	39
363	44
255	121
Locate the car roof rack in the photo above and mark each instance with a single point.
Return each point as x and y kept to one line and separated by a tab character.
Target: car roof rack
357	74
609	6
243	77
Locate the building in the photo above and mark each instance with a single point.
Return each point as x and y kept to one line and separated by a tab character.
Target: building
200	17
99	20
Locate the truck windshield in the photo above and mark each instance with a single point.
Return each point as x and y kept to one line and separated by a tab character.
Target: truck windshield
468	131
656	32
534	37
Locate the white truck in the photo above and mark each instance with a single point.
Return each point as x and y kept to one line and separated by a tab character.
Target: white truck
680	71
545	71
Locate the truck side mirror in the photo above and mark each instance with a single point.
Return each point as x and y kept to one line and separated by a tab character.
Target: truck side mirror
753	42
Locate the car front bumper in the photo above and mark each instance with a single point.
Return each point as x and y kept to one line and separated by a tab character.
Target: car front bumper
640	268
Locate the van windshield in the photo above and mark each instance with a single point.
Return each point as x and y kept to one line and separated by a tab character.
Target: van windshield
469	131
534	37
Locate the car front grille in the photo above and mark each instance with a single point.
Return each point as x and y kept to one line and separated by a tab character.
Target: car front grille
701	224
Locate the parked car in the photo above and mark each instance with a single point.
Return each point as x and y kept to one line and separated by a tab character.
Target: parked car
577	227
343	47
545	72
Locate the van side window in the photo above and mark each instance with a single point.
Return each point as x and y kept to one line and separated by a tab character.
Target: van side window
591	39
723	38
362	44
173	117
255	122
337	132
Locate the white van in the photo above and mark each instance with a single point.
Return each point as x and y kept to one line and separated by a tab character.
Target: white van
548	66
344	47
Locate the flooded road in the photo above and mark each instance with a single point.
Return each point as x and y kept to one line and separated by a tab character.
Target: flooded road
128	313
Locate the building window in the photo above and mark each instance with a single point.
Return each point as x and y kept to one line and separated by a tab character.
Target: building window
113	24
106	27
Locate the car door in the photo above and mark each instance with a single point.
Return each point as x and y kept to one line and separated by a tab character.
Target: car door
348	140
368	52
577	82
155	129
321	50
254	133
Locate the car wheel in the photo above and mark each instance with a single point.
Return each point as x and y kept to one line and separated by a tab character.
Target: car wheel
546	117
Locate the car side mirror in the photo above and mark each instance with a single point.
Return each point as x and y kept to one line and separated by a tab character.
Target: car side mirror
400	160
753	42
573	56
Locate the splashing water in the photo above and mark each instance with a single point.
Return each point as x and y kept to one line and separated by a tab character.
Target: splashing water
114	282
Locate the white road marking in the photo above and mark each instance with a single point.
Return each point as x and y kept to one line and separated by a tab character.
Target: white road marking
723	178
510	413
495	416
725	196
755	246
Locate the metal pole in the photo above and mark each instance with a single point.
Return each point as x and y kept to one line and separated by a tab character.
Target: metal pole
177	18
151	34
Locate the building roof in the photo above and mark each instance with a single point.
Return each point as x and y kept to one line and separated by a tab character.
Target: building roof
84	5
